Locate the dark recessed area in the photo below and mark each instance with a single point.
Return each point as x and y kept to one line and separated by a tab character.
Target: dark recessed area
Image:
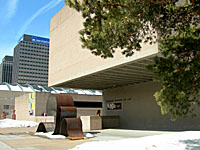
88	104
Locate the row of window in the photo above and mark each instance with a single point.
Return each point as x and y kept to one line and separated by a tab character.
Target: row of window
34	69
34	44
34	58
40	73
31	43
28	46
31	80
34	54
22	64
30	76
33	47
8	106
37	62
35	51
7	62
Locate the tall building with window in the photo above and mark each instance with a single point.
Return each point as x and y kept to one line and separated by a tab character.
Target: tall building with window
31	60
6	68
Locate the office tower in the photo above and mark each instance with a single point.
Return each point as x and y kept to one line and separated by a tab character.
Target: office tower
6	68
31	60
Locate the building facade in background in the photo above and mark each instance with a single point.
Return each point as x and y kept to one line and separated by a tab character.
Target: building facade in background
30	101
6	68
31	60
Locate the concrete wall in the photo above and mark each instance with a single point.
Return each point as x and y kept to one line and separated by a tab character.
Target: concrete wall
87	111
91	122
42	98
22	105
8	98
22	108
41	101
9	94
67	60
140	110
87	98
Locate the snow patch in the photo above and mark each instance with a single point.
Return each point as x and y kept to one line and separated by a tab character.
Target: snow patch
9	123
50	135
172	141
88	135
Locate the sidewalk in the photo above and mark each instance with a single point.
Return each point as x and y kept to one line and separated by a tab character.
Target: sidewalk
24	138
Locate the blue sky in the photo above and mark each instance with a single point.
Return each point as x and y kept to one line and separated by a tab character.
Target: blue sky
18	17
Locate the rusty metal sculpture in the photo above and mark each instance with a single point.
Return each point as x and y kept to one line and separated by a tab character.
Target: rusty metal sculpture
66	122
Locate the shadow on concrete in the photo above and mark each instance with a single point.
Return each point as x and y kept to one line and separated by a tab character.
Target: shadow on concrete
191	144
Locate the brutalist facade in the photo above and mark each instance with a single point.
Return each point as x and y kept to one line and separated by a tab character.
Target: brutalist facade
6	68
31	60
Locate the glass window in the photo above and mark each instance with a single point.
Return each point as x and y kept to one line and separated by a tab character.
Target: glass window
5	106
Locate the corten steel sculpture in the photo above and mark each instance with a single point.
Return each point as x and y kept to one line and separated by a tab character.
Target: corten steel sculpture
66	122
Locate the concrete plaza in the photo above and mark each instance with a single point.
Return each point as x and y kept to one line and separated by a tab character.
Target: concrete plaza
24	138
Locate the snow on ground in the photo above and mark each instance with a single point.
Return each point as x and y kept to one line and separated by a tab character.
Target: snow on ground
189	140
9	123
88	135
51	136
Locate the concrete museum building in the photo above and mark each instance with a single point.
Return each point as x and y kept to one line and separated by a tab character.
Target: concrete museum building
126	84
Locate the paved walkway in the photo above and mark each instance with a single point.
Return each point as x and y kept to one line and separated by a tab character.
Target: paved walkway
24	138
117	134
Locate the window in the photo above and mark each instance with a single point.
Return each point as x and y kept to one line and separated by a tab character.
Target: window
5	106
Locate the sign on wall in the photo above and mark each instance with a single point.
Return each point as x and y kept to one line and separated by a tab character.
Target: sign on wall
114	106
31	103
40	40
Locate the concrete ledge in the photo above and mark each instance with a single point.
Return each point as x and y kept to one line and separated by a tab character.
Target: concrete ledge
91	122
44	119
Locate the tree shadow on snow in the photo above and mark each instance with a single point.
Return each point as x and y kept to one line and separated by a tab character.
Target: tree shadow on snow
191	144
